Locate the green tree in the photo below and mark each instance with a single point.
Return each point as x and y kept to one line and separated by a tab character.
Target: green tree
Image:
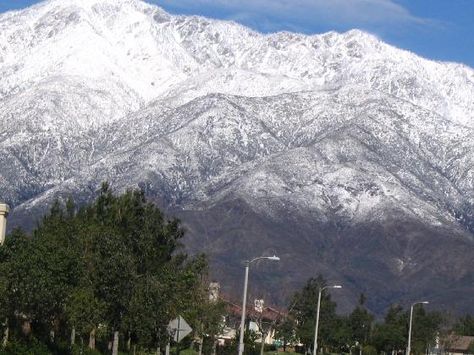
114	265
426	326
42	272
15	242
304	312
391	335
360	322
84	312
465	326
139	273
285	331
341	338
207	317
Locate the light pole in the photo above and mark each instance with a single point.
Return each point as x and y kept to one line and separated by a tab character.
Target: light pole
411	321
315	345
244	300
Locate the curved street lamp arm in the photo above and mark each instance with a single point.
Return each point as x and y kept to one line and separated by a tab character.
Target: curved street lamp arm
273	258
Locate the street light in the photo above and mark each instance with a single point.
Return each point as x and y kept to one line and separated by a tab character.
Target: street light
411	321
315	345
244	301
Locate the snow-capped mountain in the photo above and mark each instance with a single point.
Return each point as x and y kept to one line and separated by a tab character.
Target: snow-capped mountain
346	155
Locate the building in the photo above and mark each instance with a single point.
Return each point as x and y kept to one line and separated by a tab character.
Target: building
259	318
458	345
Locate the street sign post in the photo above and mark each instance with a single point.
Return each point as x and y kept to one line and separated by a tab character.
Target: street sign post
179	329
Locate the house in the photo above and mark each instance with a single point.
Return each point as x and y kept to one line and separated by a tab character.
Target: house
259	318
458	345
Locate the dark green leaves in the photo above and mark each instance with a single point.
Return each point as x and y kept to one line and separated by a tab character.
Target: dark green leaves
112	265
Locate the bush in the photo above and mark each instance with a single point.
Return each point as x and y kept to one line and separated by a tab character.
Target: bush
270	347
84	350
32	347
369	350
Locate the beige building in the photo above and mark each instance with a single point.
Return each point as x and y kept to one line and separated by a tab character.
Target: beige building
4	210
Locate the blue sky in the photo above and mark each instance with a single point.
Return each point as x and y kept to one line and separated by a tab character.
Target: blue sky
436	29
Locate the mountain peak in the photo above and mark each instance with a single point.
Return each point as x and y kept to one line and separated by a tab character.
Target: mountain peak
101	5
360	35
88	3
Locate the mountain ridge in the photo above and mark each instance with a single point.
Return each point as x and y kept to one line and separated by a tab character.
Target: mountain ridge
327	135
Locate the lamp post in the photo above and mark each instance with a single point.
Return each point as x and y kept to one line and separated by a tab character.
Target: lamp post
410	325
315	345
244	300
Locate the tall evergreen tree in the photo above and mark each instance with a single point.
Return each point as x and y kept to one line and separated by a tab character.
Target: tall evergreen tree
360	322
392	334
304	312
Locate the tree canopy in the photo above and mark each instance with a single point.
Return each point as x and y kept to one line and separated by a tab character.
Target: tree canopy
115	265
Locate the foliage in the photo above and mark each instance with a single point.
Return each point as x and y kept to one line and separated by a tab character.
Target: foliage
113	265
470	349
207	320
392	335
84	310
341	338
304	312
83	350
369	350
465	326
360	323
250	343
285	331
346	334
426	326
29	347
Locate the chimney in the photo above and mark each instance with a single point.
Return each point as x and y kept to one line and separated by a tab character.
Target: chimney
214	288
4	209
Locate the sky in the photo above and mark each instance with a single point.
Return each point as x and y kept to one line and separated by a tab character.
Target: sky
435	29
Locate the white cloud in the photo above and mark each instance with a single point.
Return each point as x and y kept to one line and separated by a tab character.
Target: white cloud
304	13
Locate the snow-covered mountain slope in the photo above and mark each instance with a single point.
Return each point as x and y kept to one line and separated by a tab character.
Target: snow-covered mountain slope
139	49
340	133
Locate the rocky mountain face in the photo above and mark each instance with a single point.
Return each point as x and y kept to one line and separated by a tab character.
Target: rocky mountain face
339	153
